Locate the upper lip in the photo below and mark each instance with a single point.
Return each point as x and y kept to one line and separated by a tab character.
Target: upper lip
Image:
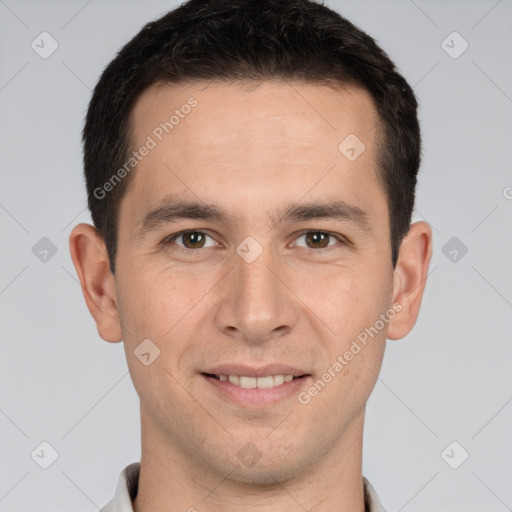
262	371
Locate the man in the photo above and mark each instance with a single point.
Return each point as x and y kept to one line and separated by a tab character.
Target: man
251	169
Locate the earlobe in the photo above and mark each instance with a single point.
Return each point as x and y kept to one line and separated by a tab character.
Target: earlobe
410	277
91	262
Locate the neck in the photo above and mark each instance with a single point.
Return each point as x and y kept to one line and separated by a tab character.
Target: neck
171	480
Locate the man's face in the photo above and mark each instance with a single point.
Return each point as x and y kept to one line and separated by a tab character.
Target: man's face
258	288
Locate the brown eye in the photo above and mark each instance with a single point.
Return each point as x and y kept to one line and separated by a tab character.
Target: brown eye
193	240
318	239
189	240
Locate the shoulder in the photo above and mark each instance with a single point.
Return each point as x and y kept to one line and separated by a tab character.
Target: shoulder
127	487
371	500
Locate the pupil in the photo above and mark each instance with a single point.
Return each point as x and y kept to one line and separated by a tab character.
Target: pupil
318	237
194	236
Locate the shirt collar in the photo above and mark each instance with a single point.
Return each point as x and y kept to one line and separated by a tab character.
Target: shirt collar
128	486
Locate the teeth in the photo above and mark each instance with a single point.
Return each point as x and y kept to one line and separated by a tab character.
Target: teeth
234	379
248	382
279	379
269	381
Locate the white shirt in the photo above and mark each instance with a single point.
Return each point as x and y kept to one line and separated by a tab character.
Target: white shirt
128	485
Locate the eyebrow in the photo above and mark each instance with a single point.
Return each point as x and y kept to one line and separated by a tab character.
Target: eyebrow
173	209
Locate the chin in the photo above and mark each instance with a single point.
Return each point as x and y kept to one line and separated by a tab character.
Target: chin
264	476
268	468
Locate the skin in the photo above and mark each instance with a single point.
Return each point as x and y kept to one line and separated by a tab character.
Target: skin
253	150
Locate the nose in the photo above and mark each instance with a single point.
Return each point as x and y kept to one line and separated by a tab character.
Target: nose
257	302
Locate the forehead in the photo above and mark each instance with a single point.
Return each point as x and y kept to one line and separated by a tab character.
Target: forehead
255	144
304	114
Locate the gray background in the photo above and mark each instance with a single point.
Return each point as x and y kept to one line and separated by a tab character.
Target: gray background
449	380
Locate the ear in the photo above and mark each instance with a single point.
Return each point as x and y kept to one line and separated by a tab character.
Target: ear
90	257
409	278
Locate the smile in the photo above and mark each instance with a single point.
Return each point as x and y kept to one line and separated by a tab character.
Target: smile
246	382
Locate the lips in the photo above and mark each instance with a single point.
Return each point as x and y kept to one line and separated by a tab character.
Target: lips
255	387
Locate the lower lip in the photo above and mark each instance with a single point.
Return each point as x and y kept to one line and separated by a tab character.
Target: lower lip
256	397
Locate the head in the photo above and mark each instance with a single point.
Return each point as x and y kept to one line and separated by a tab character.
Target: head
299	41
284	142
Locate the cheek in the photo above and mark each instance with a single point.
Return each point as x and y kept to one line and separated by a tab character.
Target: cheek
353	301
355	352
150	304
150	308
166	308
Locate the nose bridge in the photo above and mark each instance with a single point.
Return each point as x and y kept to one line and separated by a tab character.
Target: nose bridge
255	277
258	305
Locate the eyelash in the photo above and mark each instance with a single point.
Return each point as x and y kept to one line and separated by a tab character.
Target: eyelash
170	240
